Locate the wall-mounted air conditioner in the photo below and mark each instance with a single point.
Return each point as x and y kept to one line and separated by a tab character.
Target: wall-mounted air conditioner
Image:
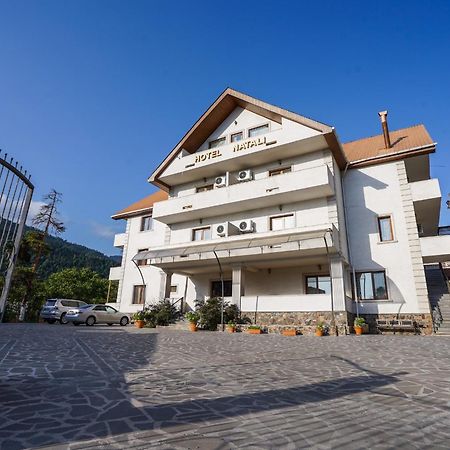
226	229
220	181
244	175
246	226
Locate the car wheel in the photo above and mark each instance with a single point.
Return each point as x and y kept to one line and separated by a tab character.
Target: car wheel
63	320
90	321
110	324
51	320
76	323
124	321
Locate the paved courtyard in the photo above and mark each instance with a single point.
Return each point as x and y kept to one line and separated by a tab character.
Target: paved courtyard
66	387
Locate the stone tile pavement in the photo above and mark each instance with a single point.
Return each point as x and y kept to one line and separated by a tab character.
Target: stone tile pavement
63	387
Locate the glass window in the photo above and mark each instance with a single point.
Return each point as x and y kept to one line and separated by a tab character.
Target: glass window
146	223
100	308
282	222
236	137
385	228
173	289
217	142
139	294
216	288
143	262
318	284
110	309
371	285
252	132
201	234
208	187
279	171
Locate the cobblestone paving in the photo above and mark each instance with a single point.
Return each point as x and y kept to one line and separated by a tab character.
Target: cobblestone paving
65	387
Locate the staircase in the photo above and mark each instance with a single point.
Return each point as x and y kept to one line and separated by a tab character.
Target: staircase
439	298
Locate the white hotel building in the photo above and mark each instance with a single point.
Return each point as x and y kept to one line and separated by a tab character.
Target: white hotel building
305	228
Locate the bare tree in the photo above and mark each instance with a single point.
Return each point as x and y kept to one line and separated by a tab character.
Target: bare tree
48	219
48	222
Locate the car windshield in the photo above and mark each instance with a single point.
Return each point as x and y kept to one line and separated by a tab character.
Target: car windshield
50	303
85	306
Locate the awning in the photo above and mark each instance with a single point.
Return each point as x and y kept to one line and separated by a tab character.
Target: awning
239	242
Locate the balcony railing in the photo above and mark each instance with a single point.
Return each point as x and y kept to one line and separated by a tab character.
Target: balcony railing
120	240
306	184
115	273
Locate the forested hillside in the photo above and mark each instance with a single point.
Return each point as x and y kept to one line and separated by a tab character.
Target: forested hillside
65	254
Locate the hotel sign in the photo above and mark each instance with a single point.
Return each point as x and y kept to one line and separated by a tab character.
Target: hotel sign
239	146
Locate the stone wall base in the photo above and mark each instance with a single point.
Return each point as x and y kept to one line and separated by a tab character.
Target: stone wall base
306	322
303	322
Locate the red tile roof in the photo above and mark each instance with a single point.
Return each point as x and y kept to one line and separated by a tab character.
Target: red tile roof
401	140
141	206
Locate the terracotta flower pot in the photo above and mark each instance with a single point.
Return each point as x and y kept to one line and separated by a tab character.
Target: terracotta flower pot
253	331
319	332
231	329
139	323
289	332
358	330
192	326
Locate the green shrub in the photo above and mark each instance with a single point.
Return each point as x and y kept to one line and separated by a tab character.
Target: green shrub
163	313
192	316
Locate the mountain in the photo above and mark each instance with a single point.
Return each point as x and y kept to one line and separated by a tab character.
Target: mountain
64	254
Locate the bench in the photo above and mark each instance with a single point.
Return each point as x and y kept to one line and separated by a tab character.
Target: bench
398	325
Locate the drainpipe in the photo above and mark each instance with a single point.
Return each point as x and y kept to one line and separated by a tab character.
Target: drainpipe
350	258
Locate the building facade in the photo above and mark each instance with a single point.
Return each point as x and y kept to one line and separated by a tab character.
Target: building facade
271	210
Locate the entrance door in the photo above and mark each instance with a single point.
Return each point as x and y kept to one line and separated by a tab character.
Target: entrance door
216	288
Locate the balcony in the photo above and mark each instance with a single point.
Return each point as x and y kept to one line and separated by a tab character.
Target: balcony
120	240
426	196
115	273
435	248
306	184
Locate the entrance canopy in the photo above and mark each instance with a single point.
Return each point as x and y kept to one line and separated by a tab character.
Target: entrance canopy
274	244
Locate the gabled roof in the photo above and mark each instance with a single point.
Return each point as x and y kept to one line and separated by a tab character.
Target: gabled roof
404	142
220	110
141	206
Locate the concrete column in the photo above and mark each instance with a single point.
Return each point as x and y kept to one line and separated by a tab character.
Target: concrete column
337	273
168	283
238	285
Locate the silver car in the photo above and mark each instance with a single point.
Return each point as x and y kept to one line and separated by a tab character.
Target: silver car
56	309
92	314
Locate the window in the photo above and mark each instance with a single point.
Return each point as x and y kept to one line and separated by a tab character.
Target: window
139	294
371	285
274	172
318	284
208	187
385	228
100	308
253	132
147	223
282	222
216	288
236	137
201	234
143	262
111	310
173	289
217	142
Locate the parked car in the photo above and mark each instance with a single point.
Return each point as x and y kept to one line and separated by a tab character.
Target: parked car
55	309
92	314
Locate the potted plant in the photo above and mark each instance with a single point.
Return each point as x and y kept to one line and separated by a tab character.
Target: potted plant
289	332
139	319
193	318
254	329
320	329
358	325
231	327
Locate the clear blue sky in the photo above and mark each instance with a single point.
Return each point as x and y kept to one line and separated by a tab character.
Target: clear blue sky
93	94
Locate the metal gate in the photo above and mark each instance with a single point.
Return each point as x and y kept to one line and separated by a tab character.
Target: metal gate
16	191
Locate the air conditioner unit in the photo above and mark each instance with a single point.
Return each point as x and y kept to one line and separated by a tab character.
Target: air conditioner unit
226	229
247	226
220	181
244	175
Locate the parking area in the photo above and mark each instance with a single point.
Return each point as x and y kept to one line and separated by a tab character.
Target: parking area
116	387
